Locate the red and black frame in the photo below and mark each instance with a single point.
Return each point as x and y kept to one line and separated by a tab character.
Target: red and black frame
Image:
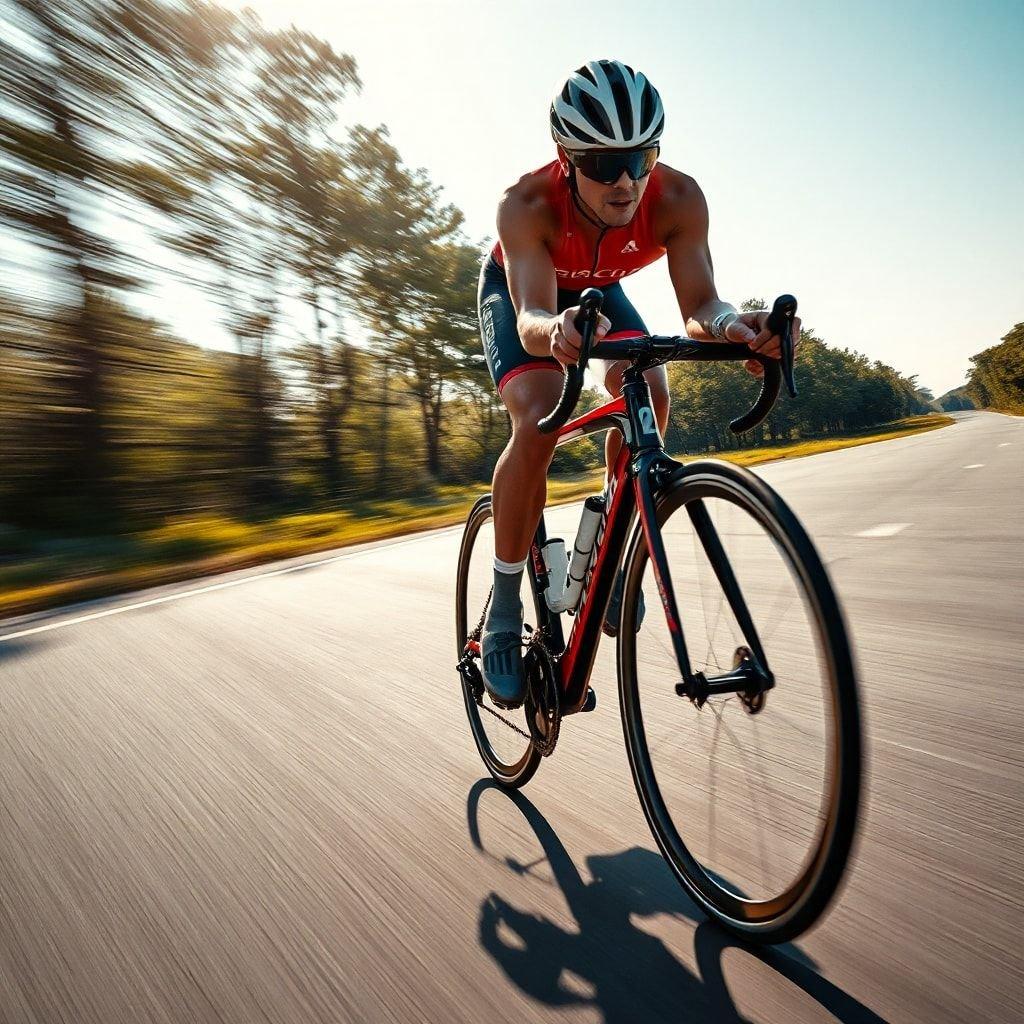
641	469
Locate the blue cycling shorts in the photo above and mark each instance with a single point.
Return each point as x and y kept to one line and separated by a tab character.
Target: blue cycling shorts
503	350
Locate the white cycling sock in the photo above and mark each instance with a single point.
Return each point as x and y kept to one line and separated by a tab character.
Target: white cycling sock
509	568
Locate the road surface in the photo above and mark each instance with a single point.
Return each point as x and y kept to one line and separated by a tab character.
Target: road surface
255	798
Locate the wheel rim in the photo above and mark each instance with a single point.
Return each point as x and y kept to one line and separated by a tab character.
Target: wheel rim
675	792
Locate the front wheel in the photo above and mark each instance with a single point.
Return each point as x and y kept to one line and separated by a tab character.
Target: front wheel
751	797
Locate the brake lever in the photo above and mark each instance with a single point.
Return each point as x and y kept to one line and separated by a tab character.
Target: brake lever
780	322
586	323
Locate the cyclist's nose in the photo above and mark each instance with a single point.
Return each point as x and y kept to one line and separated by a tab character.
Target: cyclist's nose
624	182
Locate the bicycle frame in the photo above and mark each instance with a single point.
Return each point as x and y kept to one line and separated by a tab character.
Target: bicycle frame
640	469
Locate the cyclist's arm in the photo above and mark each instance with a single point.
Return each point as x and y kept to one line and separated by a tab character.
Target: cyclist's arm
530	272
689	259
693	277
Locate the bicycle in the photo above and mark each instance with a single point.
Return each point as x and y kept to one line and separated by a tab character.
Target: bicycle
738	529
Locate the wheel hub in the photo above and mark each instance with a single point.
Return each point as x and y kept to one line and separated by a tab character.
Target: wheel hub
748	679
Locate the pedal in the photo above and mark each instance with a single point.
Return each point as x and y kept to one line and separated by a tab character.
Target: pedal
590	701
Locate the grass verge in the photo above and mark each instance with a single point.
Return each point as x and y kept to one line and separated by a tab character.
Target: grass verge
63	572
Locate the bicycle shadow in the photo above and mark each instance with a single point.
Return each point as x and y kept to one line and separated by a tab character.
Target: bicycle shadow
12	650
612	964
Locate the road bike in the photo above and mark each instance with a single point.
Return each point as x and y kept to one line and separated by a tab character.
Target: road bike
743	736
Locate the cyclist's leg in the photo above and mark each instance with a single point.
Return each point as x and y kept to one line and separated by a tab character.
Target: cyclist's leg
529	388
518	493
521	473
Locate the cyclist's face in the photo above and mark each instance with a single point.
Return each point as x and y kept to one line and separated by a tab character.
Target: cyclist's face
615	204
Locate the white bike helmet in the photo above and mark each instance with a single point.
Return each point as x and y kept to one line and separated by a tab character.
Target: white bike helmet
607	105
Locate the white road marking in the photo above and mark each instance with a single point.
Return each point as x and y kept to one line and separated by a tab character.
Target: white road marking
884	530
181	595
1005	444
975	465
938	757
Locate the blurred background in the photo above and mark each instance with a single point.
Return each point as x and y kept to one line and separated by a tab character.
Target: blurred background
233	318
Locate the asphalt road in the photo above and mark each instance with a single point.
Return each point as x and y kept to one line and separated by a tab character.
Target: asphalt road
256	798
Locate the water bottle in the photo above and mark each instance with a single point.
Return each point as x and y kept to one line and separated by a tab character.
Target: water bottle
564	587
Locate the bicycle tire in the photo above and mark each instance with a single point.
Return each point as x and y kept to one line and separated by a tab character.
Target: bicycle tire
512	774
786	915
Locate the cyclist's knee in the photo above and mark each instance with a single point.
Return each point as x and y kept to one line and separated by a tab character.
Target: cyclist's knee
527	439
613	377
528	399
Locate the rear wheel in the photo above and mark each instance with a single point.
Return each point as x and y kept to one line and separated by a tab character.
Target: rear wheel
509	756
753	797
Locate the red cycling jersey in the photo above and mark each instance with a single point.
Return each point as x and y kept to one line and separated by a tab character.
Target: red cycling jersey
619	251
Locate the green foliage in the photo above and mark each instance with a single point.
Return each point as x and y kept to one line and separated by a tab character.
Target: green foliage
996	380
955	400
193	538
839	391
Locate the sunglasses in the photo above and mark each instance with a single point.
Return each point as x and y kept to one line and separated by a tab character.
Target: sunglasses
606	166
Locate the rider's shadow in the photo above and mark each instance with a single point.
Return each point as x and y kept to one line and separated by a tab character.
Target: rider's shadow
611	963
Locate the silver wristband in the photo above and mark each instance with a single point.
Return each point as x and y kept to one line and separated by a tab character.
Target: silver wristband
722	321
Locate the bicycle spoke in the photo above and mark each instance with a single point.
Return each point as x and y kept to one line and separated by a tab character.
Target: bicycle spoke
705	586
761	842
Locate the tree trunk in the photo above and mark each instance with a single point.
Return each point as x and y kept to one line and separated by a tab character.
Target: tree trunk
383	473
89	459
431	409
329	415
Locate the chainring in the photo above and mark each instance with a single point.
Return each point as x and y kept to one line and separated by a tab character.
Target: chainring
543	703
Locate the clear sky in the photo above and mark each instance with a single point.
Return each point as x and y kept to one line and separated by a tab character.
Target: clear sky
868	157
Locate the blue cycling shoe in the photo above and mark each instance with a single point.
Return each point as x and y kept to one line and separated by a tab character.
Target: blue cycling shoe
501	650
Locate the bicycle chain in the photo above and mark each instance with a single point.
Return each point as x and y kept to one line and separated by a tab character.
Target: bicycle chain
502	718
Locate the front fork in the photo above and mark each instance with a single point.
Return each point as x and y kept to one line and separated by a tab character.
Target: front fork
750	676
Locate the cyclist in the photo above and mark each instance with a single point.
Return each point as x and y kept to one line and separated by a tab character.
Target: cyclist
602	210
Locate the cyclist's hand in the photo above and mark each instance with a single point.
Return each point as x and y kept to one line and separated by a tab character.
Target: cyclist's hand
566	340
750	330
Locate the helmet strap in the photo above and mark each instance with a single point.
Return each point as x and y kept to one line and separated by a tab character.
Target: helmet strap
588	214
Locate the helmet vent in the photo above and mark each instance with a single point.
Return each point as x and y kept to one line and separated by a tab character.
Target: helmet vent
623	106
595	113
647	106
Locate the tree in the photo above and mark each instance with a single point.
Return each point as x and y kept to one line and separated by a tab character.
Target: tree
298	168
416	282
90	104
996	380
